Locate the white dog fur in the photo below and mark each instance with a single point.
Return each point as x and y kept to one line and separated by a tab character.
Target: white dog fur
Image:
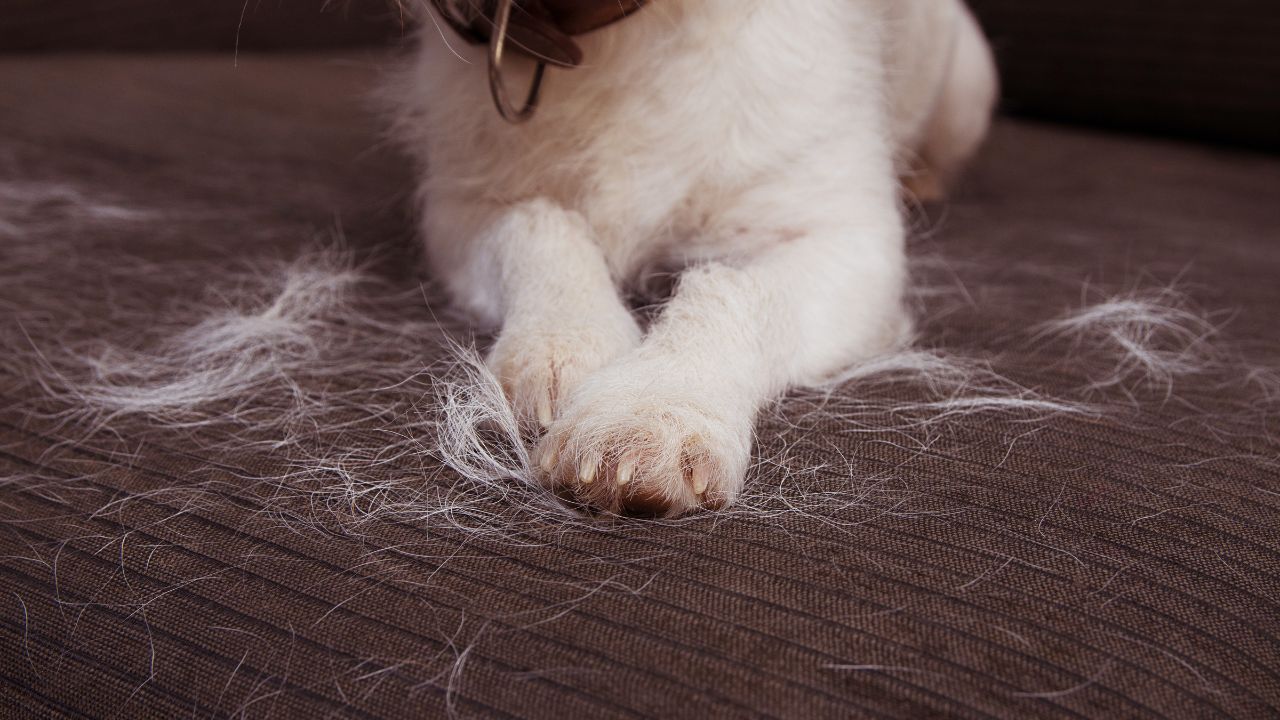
757	147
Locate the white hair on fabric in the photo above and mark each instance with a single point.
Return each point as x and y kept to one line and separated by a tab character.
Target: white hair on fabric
1152	337
316	363
302	384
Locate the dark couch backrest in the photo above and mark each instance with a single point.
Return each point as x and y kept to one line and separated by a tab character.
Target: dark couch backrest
177	25
1189	67
1209	70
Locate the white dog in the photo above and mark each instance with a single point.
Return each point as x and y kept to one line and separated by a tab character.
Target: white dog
756	146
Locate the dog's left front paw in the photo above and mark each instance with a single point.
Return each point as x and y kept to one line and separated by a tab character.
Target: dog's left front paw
539	366
628	444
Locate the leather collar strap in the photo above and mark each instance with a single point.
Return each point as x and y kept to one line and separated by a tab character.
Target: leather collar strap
540	29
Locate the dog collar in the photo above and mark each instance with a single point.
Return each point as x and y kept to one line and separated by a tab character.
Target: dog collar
540	29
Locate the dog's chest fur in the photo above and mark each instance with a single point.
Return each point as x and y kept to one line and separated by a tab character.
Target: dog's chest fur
677	112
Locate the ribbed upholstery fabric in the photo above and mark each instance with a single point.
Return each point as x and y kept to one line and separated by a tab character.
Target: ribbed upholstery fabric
1205	70
1123	564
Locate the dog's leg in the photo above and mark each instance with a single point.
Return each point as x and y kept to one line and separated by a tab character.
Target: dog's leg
668	428
961	115
534	269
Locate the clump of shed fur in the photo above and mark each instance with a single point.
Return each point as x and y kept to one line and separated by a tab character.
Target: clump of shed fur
319	363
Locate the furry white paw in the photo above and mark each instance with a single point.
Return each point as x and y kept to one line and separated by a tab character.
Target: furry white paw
540	365
629	444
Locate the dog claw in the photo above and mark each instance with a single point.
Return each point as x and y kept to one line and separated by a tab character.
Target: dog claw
545	416
697	471
550	458
587	470
700	479
626	468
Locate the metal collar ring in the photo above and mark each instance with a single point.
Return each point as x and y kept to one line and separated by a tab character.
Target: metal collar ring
498	88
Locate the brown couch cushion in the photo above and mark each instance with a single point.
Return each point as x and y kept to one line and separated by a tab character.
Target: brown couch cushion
1124	563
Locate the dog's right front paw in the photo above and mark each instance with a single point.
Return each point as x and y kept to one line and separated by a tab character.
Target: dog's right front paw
632	443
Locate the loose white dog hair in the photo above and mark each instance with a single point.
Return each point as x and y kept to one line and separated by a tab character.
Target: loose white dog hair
314	367
754	147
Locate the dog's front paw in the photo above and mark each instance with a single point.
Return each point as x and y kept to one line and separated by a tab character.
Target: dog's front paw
540	364
630	443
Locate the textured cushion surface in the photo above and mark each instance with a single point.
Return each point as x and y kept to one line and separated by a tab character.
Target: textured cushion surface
1117	563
